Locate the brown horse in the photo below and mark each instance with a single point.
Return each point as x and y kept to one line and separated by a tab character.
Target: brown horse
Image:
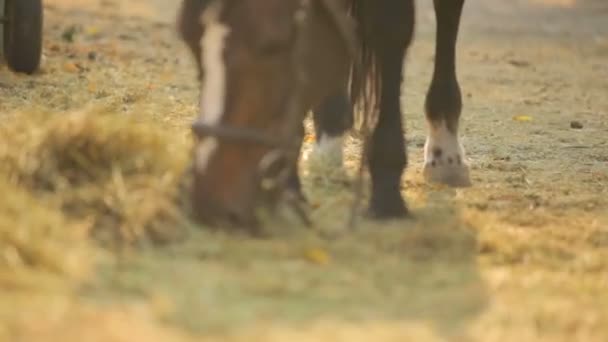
263	64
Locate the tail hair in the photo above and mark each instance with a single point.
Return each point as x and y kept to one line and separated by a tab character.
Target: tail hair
366	77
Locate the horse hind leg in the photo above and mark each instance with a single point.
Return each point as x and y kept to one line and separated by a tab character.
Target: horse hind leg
444	157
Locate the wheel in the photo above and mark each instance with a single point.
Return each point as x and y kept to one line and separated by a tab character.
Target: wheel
22	34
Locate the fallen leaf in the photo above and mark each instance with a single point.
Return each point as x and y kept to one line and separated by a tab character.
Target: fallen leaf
71	67
522	118
92	31
317	256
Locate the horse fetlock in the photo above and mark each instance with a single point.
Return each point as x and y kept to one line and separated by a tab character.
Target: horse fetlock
327	156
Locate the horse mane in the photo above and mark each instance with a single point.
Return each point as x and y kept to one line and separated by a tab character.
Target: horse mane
189	28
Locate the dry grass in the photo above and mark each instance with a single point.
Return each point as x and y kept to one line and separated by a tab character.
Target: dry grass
36	239
118	174
69	177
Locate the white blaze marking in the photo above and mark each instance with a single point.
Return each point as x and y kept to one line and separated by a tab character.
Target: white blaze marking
213	88
204	151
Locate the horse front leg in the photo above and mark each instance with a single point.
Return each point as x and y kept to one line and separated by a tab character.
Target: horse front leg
387	151
444	157
294	184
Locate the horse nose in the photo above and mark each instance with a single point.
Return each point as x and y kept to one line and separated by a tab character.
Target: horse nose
236	211
219	200
241	216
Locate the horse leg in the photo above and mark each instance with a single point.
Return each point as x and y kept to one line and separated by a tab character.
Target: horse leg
387	154
332	118
293	182
443	154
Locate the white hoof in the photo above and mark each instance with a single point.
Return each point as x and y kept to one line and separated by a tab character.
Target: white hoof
327	155
444	158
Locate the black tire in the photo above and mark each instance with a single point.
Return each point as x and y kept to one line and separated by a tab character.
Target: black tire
23	34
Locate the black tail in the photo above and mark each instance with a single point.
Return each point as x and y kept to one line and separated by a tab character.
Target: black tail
380	25
365	79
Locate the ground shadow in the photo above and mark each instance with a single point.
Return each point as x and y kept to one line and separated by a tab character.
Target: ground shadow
419	271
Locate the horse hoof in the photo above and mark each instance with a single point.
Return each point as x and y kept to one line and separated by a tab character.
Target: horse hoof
386	210
455	176
327	156
444	159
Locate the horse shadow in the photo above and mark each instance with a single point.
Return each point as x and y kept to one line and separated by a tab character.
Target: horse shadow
420	271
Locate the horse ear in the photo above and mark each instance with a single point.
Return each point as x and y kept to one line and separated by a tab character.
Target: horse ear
188	19
190	29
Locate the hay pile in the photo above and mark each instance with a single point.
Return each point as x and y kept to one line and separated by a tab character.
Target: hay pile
115	175
35	236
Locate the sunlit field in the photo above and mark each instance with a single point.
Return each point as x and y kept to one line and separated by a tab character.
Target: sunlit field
97	244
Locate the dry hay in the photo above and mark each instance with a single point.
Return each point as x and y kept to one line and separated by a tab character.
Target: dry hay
35	238
119	175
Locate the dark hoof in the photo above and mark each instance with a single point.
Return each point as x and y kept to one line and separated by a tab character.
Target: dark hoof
388	209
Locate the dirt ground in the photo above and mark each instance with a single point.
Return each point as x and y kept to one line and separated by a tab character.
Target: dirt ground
522	255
